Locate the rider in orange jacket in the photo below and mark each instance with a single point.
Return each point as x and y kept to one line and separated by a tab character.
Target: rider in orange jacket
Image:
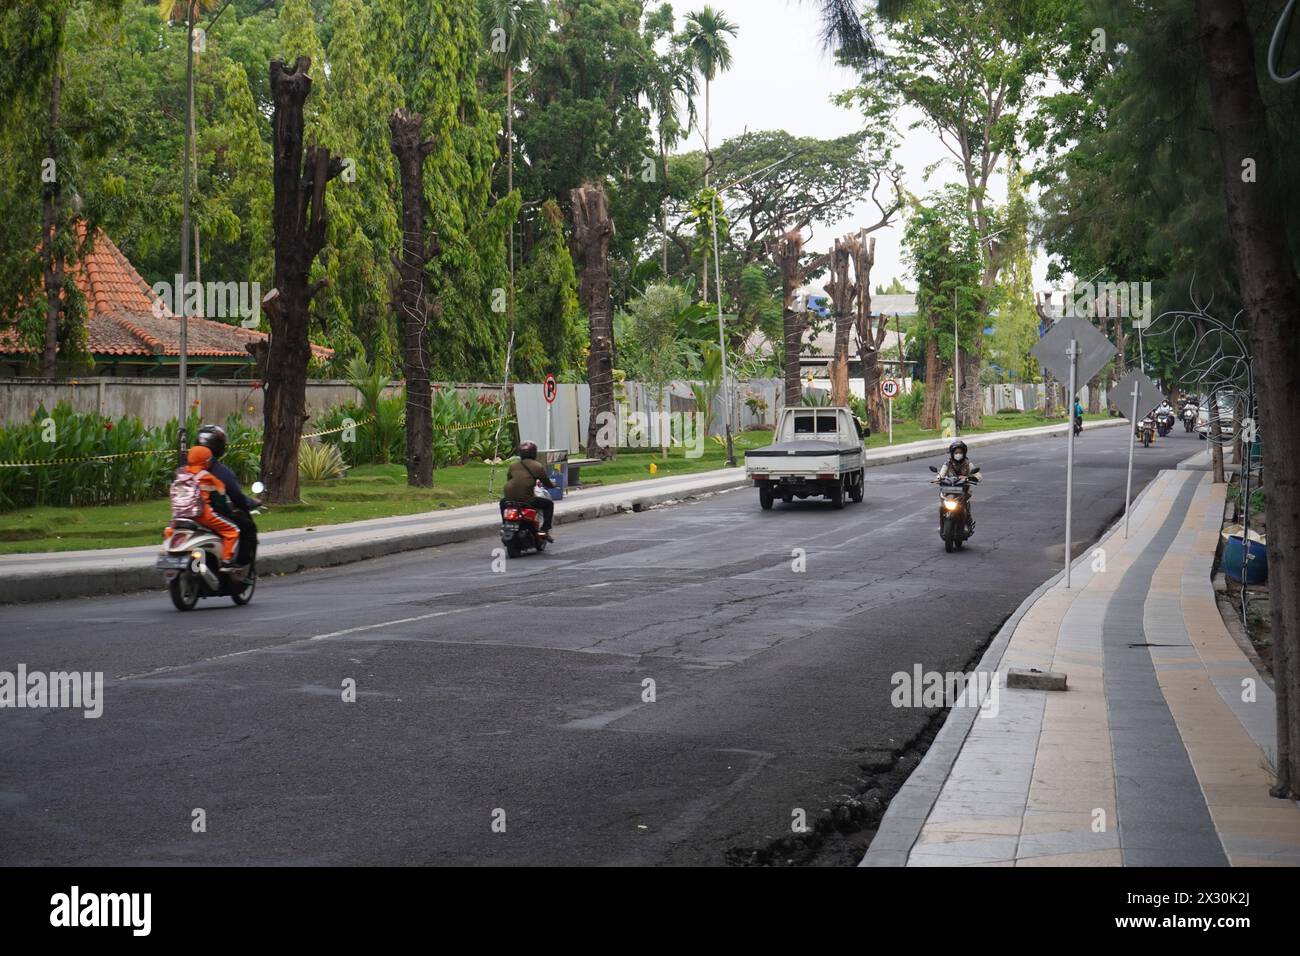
216	508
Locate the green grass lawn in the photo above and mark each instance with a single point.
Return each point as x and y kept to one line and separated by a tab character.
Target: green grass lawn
380	491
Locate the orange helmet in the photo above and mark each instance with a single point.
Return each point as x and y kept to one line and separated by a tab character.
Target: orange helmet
199	455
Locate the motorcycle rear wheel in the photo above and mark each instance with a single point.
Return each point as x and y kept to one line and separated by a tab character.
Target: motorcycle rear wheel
245	594
184	591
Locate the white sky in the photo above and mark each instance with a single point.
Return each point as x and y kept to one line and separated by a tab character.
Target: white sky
781	79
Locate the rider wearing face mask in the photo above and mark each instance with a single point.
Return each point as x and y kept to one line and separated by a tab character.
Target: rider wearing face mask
959	466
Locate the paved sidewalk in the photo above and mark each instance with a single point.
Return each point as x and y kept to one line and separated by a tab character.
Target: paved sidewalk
52	575
1156	755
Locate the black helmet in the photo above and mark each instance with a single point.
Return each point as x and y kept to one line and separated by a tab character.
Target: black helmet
957	445
527	449
214	438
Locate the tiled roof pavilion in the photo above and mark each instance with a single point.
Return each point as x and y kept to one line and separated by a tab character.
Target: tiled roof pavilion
124	326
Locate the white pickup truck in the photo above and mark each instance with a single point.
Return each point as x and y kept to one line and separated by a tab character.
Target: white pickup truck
818	451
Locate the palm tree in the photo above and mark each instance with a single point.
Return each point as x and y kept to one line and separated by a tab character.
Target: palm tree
705	41
511	29
846	32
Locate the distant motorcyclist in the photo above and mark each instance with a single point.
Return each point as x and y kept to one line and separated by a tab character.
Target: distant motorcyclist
521	479
959	465
213	437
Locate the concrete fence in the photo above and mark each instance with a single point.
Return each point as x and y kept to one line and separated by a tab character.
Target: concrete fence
155	401
1025	398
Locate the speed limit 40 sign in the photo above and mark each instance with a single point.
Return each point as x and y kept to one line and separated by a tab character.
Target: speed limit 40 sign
890	388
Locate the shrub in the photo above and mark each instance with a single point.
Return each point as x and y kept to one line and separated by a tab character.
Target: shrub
320	462
908	405
143	472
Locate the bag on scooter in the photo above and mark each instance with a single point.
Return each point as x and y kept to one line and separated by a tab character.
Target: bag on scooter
186	496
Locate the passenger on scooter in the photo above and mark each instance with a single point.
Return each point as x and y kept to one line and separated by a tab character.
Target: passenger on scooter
216	514
521	479
959	466
213	437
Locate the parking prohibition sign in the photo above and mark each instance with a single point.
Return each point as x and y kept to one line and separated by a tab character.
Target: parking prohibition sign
550	389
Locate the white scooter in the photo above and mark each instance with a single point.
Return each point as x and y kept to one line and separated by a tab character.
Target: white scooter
190	561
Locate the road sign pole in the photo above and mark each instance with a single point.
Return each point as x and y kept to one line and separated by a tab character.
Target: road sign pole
1069	465
549	406
890	413
1132	441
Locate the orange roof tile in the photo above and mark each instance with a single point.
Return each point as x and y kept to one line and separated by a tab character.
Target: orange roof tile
122	318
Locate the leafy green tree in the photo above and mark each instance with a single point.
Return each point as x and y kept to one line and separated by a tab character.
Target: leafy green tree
52	133
943	252
973	78
550	336
356	308
1015	329
437	68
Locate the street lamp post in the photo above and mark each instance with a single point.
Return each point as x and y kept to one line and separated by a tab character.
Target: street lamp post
179	297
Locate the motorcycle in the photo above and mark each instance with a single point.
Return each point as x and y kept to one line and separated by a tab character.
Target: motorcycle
1146	431
1189	417
1164	423
190	561
954	521
521	527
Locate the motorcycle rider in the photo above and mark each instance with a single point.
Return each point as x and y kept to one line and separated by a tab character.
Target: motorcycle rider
521	479
217	515
1078	411
213	437
959	466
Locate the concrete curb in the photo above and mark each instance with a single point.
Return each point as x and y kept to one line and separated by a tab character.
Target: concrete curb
120	573
901	825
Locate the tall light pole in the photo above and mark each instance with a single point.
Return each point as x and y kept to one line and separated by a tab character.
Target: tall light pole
179	295
714	201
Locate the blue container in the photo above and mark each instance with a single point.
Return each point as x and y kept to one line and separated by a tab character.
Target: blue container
559	472
1256	572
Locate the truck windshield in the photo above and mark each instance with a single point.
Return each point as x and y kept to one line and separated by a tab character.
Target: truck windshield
827	422
805	424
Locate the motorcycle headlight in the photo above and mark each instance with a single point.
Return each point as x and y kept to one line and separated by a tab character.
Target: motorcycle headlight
952	504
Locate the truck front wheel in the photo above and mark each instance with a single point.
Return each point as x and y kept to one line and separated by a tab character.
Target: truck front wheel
856	490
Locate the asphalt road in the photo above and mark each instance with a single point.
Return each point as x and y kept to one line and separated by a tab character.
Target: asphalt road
485	697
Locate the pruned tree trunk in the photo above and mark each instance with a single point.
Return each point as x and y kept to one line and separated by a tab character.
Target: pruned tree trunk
411	304
935	374
841	292
1270	289
786	251
870	338
299	222
593	229
970	404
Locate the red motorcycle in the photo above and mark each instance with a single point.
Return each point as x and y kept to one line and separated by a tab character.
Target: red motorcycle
521	528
